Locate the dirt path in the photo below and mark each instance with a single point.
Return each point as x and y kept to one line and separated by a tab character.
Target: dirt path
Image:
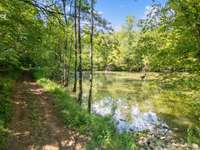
35	126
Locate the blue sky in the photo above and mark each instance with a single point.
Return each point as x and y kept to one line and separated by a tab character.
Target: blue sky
116	11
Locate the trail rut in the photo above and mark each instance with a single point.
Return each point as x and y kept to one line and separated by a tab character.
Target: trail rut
35	125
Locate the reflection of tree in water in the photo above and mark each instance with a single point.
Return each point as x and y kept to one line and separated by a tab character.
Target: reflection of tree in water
150	95
143	91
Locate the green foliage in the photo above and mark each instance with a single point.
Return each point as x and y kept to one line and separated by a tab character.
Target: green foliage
39	72
6	85
30	38
170	41
20	33
193	135
101	130
34	38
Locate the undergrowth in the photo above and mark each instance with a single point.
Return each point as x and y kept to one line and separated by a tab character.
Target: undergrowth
6	86
100	130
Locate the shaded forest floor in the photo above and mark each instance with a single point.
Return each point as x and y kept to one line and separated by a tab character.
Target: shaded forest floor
35	125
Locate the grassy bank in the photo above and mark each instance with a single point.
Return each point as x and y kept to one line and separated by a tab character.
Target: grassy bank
100	130
179	89
6	85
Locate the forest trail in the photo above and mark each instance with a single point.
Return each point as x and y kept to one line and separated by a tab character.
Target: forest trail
34	124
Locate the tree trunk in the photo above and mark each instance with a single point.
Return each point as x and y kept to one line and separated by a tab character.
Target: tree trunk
91	56
69	67
80	54
75	46
66	45
64	69
70	50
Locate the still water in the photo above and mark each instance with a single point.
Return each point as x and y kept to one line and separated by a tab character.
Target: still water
137	105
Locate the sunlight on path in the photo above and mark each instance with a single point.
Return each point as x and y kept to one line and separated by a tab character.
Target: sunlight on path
34	125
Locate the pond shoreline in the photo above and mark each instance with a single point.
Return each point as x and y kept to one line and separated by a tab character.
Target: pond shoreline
172	96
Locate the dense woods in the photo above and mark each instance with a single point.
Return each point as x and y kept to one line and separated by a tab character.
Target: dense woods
62	39
42	35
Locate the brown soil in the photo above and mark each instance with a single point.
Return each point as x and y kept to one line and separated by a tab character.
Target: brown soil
35	125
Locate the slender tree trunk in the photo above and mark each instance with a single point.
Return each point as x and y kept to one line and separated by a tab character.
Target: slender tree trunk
80	54
64	69
69	67
60	55
70	50
75	46
66	45
91	56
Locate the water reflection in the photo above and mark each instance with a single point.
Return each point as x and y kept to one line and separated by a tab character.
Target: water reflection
126	117
133	103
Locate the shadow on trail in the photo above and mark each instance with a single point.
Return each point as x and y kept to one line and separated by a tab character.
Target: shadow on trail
34	124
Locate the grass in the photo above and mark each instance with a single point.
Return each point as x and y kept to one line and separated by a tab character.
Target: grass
179	89
6	85
193	135
100	130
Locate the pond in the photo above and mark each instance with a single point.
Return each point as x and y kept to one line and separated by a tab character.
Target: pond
137	104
